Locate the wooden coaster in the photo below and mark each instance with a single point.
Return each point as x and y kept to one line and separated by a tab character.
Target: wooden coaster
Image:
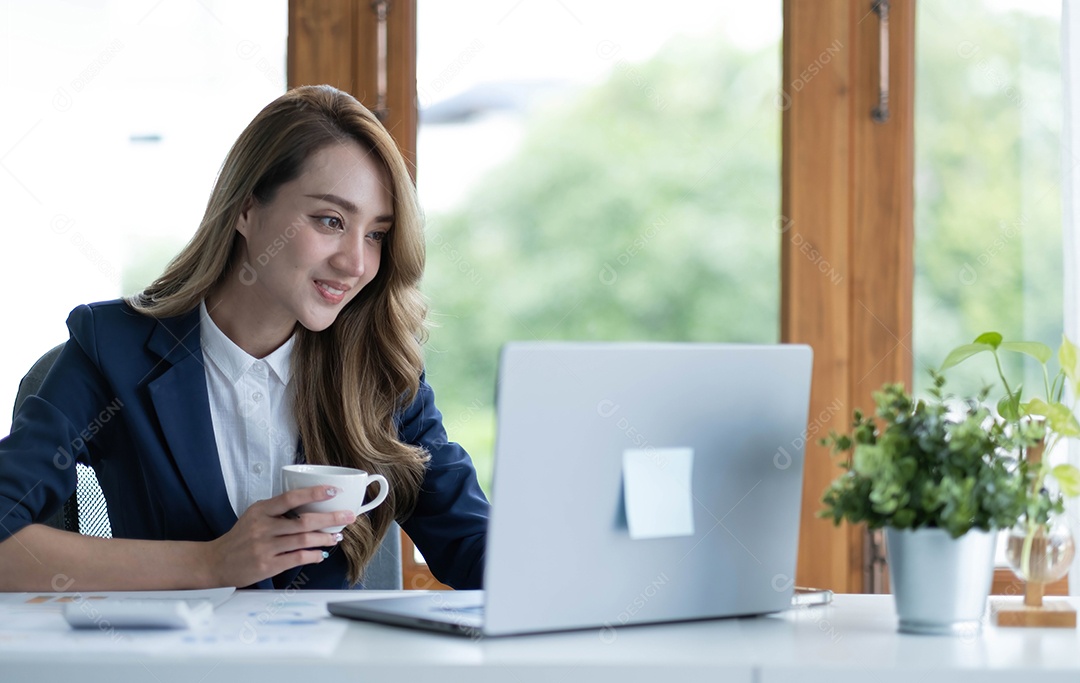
1053	614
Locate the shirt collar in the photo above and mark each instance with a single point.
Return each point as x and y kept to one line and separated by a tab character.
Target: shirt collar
280	360
232	360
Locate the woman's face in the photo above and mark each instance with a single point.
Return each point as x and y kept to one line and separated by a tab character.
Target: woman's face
318	241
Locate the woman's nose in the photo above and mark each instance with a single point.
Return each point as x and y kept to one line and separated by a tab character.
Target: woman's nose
349	259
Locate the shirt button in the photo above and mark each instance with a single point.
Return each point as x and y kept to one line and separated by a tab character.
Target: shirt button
257	468
257	396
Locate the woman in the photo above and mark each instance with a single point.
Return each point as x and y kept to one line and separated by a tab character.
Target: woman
292	317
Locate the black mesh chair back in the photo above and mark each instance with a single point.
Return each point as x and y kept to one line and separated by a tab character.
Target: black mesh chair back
85	512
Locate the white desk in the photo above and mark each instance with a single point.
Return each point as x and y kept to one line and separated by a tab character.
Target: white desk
855	639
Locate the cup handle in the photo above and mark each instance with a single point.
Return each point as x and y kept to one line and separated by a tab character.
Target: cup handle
384	489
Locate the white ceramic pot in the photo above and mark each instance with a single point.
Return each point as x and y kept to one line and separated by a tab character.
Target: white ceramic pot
940	583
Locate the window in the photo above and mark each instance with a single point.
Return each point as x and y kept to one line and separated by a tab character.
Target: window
125	111
988	224
593	171
987	181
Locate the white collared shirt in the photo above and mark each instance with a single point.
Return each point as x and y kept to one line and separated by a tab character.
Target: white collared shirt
252	411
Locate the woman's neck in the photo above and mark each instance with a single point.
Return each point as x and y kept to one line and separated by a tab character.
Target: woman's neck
241	314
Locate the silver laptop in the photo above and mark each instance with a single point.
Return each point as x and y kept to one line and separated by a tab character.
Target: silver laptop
634	483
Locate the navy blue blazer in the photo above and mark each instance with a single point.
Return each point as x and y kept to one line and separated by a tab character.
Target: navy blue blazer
128	397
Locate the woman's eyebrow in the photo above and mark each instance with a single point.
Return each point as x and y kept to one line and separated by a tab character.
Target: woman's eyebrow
334	199
348	206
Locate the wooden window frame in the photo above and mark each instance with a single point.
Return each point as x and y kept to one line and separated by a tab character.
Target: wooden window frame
847	201
334	42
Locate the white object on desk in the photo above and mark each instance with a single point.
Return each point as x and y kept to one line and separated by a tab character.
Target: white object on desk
251	623
148	614
657	492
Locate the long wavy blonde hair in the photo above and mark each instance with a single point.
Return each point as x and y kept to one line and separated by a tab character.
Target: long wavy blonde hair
351	379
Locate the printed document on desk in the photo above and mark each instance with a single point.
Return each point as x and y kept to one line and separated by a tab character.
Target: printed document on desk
256	623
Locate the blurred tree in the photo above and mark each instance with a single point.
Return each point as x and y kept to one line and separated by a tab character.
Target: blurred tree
988	168
646	209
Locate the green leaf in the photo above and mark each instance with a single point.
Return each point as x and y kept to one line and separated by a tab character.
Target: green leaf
1037	350
1068	478
993	339
1070	363
1009	407
868	460
962	353
1059	417
1062	420
1036	406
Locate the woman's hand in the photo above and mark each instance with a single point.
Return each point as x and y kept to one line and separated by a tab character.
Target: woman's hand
264	542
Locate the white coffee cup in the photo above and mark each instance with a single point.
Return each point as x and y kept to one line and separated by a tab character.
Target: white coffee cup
351	485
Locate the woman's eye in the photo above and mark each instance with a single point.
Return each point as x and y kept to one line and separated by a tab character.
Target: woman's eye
332	222
378	236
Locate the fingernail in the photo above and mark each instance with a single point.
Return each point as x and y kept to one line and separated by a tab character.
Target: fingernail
338	538
325	554
331	491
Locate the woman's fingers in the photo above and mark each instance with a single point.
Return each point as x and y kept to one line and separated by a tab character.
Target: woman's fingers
290	500
285	505
264	542
298	523
310	521
315	539
299	558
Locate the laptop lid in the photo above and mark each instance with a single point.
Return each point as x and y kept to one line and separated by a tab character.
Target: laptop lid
634	483
560	552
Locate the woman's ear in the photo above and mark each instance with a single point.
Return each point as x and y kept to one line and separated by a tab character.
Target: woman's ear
244	220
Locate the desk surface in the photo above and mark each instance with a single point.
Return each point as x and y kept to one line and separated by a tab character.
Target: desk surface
854	639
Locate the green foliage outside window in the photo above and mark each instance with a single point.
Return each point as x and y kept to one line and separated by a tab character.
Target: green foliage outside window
648	208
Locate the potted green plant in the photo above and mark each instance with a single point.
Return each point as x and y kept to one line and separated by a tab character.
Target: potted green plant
941	476
1040	546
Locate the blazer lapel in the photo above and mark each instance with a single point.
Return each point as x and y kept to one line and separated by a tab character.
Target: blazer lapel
183	410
